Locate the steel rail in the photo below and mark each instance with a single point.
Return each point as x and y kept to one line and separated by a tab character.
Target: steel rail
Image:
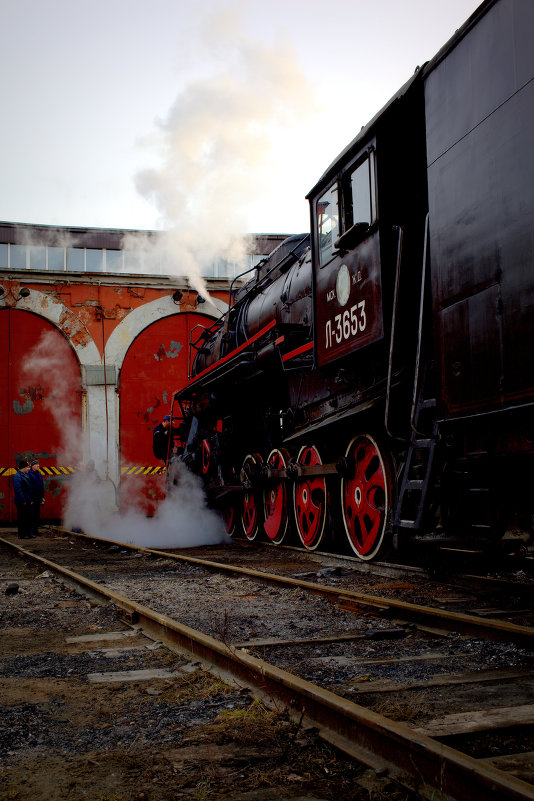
394	570
459	622
416	761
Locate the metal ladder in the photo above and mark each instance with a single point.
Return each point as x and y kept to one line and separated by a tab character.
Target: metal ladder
418	474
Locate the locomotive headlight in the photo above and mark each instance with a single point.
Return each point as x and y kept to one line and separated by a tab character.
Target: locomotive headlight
343	285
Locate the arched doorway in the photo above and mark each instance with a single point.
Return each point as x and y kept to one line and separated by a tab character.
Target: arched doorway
40	407
155	366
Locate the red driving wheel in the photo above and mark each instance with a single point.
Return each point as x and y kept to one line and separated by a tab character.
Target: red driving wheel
206	456
366	496
229	517
309	500
275	499
251	503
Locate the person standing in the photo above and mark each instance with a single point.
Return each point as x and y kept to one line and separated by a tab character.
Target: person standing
37	485
160	439
23	498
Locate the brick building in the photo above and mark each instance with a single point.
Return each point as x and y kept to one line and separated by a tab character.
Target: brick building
95	338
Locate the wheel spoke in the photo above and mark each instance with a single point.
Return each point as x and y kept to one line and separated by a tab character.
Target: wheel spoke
275	500
250	507
365	494
309	501
228	513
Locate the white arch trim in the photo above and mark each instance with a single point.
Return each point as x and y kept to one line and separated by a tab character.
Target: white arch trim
87	353
63	318
128	329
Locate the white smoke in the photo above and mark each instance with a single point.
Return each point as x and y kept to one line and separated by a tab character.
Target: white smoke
44	369
215	149
182	520
216	144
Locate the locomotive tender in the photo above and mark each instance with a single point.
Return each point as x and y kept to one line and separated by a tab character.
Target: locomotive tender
377	377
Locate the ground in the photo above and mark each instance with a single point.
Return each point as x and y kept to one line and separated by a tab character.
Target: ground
187	735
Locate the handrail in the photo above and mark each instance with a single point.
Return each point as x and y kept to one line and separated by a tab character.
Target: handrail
420	330
189	364
224	320
273	268
400	239
234	279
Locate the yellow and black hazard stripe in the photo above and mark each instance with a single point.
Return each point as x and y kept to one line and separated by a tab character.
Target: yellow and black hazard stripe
46	471
57	471
143	470
135	470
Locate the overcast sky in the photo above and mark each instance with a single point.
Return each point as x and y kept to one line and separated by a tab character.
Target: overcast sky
146	113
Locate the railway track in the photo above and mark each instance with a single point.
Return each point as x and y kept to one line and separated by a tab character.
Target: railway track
93	709
317	647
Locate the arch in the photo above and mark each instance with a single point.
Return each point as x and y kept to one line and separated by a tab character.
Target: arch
40	405
154	366
139	319
62	318
82	343
101	435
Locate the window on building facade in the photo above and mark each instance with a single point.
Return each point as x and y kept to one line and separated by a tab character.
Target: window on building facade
37	257
56	258
17	257
131	261
114	261
75	259
94	260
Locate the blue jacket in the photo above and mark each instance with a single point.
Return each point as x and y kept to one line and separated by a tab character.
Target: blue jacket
22	485
37	485
160	441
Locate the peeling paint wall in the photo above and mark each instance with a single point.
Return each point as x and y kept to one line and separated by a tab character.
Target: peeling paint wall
101	321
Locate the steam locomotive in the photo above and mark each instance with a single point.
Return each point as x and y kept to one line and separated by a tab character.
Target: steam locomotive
374	381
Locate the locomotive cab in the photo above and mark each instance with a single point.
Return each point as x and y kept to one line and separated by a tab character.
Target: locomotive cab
375	189
368	221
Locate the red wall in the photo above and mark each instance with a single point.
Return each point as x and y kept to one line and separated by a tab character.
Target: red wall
155	365
40	406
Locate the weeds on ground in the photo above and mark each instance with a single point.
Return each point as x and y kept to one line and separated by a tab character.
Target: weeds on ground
412	711
112	797
253	725
392	792
198	685
201	791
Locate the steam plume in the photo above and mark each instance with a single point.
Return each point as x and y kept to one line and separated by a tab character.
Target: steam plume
182	520
44	369
216	142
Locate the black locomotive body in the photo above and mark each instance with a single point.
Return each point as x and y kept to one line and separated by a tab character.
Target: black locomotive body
376	378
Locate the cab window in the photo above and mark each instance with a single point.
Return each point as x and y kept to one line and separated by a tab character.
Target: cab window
327	224
361	205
